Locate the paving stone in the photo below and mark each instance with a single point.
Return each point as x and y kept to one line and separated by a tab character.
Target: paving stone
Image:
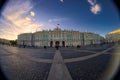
16	68
74	54
91	69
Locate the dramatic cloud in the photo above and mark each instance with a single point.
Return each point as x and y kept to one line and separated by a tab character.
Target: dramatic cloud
15	20
95	8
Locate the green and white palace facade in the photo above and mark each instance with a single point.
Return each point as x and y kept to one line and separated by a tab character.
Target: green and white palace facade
58	37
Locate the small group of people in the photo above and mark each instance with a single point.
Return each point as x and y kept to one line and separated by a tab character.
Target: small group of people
57	47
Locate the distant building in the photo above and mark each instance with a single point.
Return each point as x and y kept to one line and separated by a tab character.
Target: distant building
4	41
58	37
113	36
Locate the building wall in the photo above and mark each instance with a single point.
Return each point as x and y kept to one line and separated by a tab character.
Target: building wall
69	37
113	37
25	39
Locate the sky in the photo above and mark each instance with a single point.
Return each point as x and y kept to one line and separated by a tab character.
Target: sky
25	16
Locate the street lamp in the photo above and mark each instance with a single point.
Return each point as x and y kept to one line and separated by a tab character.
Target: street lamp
83	39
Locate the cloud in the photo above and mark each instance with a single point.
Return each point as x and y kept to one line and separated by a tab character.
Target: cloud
96	9
15	20
32	13
92	2
57	19
28	18
62	1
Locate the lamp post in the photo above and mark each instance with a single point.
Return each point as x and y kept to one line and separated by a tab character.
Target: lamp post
83	38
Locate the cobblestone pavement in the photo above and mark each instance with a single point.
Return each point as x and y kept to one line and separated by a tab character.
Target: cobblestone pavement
85	63
92	68
74	53
16	66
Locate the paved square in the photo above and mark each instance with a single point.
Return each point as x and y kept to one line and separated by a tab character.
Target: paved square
85	63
